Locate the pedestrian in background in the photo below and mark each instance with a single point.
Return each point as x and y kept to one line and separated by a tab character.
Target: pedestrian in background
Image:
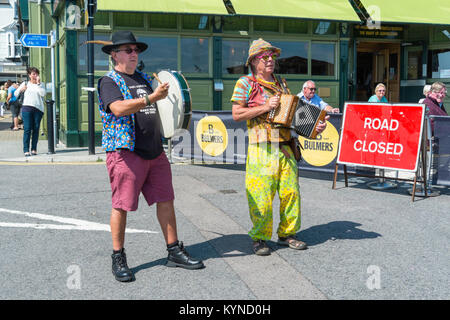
3	95
309	95
434	102
11	99
32	109
380	94
426	92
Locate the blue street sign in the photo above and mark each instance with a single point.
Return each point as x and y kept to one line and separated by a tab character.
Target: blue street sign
35	40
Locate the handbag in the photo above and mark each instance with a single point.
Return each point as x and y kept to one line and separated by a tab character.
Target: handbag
21	97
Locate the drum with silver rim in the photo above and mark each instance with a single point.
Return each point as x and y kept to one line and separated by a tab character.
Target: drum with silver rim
175	110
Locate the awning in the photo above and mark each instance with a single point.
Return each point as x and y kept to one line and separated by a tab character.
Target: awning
339	10
215	7
409	11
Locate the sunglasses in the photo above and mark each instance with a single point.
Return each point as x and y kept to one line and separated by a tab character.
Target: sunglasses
129	50
312	89
265	57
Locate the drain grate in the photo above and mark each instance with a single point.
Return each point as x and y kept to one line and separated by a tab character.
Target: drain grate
228	191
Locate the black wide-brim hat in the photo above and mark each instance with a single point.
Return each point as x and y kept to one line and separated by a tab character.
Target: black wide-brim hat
123	37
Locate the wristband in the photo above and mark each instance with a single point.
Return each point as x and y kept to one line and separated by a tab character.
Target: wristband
147	100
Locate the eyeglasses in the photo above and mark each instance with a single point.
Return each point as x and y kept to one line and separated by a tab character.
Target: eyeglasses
129	50
265	56
441	92
381	90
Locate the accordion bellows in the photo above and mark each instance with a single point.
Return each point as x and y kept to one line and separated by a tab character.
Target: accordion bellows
297	114
306	118
284	113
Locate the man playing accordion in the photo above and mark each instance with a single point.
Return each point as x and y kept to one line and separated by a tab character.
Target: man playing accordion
267	169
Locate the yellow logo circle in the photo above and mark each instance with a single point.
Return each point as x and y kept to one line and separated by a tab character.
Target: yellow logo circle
322	150
212	135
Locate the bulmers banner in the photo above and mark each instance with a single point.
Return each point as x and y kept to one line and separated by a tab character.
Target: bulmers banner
441	153
214	136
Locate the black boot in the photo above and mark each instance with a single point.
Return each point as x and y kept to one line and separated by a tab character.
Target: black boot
120	268
178	257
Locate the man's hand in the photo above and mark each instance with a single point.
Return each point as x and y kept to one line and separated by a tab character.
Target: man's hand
322	125
160	93
272	103
332	110
335	110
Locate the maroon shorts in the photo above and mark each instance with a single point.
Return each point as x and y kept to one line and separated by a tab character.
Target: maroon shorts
129	175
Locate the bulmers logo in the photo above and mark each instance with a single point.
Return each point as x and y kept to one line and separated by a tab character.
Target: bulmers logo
212	135
322	150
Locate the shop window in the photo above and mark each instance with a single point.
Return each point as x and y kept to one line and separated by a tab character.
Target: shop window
295	26
129	20
414	65
265	24
194	55
161	54
235	24
195	22
324	27
101	60
234	56
101	18
322	59
162	21
294	57
393	65
438	63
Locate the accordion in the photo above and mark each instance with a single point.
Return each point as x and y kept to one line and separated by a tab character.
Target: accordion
284	113
306	118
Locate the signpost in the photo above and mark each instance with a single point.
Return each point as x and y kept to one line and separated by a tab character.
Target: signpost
35	40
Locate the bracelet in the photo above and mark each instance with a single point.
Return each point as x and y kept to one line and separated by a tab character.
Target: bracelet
147	100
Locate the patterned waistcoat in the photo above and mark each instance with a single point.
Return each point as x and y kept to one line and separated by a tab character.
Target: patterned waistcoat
118	132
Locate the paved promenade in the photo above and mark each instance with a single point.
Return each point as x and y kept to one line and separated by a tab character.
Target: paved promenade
363	244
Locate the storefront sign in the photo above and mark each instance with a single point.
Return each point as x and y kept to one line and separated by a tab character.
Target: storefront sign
381	32
381	135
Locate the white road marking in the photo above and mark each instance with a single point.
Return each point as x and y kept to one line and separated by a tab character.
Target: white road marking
68	223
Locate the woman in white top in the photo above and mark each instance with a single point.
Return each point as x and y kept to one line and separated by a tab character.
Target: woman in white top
32	110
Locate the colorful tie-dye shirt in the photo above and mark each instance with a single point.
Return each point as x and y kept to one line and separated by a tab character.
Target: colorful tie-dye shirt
258	129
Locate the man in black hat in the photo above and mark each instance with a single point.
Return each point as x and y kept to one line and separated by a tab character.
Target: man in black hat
136	160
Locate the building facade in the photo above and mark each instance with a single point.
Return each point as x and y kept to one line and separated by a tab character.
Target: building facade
11	62
208	42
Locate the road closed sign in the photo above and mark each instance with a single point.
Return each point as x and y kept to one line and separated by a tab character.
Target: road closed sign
381	135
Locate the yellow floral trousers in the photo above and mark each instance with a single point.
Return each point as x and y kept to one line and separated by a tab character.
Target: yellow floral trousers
268	171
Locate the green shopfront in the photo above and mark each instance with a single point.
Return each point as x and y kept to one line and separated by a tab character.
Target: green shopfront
208	41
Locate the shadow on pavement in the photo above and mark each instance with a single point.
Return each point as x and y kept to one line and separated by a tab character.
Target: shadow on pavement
336	230
235	245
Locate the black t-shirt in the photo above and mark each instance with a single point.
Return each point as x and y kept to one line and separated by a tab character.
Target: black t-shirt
148	144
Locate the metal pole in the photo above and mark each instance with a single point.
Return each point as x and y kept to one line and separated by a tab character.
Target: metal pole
90	74
52	61
50	135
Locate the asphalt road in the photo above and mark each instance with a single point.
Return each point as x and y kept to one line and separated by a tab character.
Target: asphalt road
363	244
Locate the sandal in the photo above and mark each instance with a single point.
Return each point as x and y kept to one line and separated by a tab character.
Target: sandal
292	243
27	154
34	153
